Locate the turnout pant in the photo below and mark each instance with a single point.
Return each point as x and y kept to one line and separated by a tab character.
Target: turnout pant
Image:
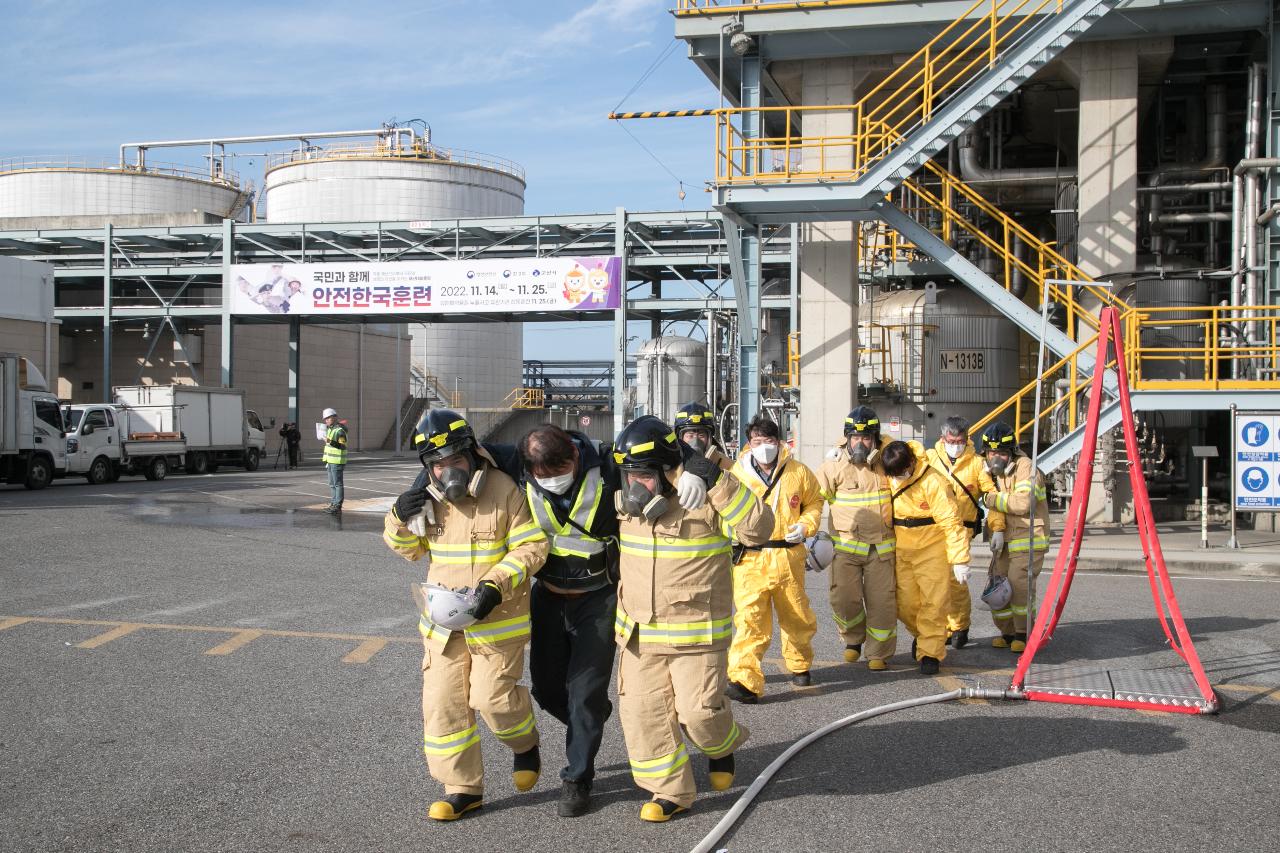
458	682
1013	618
335	483
658	694
570	662
757	594
924	589
863	602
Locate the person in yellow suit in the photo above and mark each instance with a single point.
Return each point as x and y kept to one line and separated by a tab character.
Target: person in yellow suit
675	613
933	547
770	577
1020	510
954	458
473	525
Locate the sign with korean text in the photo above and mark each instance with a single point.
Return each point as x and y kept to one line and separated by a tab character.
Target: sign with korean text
1256	450
512	285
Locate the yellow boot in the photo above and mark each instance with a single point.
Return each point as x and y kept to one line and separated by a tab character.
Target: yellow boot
721	772
852	653
1002	642
659	810
876	665
454	806
527	768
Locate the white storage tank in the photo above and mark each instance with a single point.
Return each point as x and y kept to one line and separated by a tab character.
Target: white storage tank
927	354
75	193
669	373
384	182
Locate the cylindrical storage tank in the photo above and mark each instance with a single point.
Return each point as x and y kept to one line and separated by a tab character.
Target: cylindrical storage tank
375	182
669	373
928	354
81	195
1181	332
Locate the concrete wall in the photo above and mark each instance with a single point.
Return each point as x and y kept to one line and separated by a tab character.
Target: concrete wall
27	326
28	338
333	373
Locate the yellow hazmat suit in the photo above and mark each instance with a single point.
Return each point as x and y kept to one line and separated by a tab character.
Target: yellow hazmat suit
931	539
774	576
973	482
491	537
1010	502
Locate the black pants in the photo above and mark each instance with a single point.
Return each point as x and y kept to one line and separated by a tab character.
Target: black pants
571	657
293	455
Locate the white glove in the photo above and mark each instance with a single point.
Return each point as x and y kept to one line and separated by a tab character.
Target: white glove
692	490
997	541
833	453
427	518
795	533
961	573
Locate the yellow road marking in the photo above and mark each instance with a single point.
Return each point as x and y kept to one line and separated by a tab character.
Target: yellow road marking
13	621
365	650
114	634
241	639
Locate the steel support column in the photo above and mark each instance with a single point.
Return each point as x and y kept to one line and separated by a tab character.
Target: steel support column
228	256
295	366
744	261
106	314
620	414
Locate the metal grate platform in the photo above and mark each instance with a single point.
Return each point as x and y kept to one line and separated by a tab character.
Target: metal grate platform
1169	688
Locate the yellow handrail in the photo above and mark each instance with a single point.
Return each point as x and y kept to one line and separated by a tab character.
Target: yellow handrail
527	398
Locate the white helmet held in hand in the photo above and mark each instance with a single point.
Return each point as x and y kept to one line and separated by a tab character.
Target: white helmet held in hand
820	551
445	607
998	592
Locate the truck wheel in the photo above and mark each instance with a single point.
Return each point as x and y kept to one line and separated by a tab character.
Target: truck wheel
39	473
115	472
197	463
251	459
156	469
99	472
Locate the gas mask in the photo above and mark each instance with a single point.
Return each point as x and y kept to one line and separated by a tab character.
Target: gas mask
456	482
953	449
765	453
636	500
557	485
698	442
859	453
997	463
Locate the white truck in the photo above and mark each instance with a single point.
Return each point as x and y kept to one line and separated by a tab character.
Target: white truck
33	449
217	428
101	445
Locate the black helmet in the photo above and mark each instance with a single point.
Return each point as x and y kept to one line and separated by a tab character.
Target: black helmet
647	444
862	421
696	416
441	433
998	436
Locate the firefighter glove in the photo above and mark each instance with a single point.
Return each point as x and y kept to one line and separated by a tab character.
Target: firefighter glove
410	504
485	597
700	466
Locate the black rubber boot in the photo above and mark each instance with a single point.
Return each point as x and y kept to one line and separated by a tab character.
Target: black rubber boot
738	693
801	679
575	799
960	638
928	665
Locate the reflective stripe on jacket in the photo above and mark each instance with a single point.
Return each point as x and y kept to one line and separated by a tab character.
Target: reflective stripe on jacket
676	588
335	445
487	538
859	500
1010	504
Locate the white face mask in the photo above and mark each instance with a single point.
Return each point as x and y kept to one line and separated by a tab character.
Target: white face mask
556	485
953	450
765	453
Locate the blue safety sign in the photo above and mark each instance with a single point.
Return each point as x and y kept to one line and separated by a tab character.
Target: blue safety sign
1256	453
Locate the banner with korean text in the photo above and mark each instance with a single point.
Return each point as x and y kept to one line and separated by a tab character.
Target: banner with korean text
511	285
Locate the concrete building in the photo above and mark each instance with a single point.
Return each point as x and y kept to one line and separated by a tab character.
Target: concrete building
27	323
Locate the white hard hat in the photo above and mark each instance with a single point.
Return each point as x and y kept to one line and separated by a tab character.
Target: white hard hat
447	608
998	592
329	413
820	551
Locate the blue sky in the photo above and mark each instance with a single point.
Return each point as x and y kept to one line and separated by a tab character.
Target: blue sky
530	81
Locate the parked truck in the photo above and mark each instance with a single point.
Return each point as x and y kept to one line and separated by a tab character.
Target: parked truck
33	449
102	445
217	428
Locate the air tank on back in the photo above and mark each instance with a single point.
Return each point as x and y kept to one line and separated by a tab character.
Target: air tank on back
669	373
930	353
385	181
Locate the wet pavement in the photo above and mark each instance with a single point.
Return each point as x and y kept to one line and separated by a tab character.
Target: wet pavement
212	663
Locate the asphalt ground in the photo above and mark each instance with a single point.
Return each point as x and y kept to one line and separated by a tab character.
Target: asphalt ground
210	663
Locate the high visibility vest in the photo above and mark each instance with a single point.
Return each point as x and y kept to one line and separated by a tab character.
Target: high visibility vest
567	540
335	455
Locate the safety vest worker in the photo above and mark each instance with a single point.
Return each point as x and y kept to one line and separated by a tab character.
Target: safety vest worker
334	458
769	578
954	458
675	606
1020	510
472	524
862	589
933	547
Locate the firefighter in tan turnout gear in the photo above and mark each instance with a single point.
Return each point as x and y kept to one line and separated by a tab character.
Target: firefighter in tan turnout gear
675	606
862	591
473	525
1020	512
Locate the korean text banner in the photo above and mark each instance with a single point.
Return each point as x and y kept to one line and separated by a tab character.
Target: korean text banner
428	287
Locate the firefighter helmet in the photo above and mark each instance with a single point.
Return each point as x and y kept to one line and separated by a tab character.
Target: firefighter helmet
998	592
441	433
998	436
862	421
695	416
647	444
819	551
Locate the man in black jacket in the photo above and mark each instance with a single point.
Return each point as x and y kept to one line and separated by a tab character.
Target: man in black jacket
570	485
293	438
